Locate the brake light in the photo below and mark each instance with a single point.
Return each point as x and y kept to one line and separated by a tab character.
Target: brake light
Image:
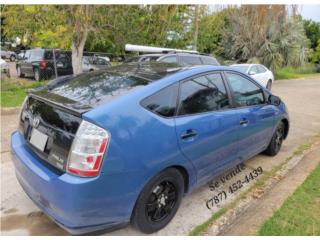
88	148
43	64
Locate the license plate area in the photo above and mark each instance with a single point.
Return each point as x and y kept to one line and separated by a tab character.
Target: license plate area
38	139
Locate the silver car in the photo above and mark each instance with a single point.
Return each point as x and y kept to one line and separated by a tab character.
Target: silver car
90	64
5	54
4	68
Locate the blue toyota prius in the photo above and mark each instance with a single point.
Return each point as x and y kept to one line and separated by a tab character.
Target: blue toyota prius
123	145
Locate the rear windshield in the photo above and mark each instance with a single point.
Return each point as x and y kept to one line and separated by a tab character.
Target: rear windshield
97	86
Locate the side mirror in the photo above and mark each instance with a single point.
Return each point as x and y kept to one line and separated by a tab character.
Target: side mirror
251	73
274	100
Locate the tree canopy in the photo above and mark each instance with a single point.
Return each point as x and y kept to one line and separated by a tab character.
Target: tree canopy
264	33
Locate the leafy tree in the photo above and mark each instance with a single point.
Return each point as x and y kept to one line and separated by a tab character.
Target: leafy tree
312	30
62	26
211	27
316	54
267	33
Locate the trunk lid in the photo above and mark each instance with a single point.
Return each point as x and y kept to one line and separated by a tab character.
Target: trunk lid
54	117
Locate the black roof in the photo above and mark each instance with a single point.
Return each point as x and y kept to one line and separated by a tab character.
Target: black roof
150	71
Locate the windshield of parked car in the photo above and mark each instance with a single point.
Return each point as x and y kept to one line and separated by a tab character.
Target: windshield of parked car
241	68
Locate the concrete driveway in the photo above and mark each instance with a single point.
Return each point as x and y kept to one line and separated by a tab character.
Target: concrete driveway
19	216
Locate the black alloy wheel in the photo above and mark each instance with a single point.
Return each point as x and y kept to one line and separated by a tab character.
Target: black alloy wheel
159	201
276	141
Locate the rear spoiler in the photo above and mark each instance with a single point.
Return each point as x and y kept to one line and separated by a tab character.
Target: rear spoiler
59	102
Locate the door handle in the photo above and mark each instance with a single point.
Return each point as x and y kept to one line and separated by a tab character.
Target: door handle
244	121
189	134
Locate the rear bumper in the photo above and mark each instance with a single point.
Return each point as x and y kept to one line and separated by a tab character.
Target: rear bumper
79	205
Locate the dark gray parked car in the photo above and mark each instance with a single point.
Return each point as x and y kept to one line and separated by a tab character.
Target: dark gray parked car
185	59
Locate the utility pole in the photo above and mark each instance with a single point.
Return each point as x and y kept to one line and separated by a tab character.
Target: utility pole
196	27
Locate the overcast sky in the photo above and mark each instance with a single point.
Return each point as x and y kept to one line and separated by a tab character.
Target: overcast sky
310	12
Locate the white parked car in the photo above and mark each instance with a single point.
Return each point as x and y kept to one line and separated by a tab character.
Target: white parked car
258	72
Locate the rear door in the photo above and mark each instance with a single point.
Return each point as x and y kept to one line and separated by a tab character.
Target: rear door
264	76
24	62
206	127
256	116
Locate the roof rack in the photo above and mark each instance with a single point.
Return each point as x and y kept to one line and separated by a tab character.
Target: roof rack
147	49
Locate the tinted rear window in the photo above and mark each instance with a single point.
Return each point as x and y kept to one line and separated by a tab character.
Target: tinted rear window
163	102
95	87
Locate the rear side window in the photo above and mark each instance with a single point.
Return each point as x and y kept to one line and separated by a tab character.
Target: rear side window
149	59
245	92
254	69
190	60
163	102
209	61
261	69
36	55
203	94
171	59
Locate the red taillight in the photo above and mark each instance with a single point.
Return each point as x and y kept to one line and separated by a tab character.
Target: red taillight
43	64
88	148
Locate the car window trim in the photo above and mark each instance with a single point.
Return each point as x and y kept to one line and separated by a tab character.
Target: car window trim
196	76
251	80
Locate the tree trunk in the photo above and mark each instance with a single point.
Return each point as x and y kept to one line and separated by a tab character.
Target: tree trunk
196	28
77	52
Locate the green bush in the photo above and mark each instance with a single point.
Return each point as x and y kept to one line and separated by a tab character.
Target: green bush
295	72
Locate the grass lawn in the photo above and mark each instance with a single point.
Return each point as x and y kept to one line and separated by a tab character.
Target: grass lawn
290	72
13	91
300	213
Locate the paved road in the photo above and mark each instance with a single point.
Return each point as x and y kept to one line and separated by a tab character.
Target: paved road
19	216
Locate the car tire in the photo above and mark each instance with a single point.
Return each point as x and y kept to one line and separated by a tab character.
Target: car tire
36	74
19	73
276	140
269	84
12	58
159	201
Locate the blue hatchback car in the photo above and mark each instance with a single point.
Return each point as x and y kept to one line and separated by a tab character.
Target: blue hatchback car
106	148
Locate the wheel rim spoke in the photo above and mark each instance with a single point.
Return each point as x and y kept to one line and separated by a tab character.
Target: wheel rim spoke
152	206
161	201
171	196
